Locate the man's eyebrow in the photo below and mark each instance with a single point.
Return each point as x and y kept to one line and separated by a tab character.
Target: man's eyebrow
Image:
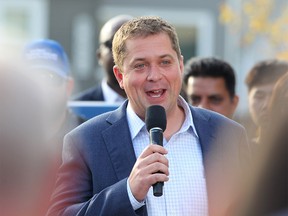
193	94
137	59
166	55
215	96
144	59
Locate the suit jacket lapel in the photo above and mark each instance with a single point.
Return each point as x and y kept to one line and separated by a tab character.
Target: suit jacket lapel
119	143
206	132
213	156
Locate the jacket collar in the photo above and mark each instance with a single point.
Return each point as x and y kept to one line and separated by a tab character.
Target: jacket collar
118	142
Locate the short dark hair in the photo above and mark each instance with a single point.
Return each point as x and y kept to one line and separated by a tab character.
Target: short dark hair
266	72
211	67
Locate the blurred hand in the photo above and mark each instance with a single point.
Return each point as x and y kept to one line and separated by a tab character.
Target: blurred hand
146	170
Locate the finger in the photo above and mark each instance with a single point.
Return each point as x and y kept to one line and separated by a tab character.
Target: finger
149	175
152	148
157	177
156	167
151	159
156	157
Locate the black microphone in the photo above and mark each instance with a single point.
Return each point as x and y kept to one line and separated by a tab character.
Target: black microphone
155	120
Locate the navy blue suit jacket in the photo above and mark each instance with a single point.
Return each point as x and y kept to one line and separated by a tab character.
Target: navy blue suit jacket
94	93
98	157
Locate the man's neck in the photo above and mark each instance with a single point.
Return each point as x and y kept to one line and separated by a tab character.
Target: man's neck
174	122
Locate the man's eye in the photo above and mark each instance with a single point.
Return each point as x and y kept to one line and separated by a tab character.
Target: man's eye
216	100
195	100
139	66
165	62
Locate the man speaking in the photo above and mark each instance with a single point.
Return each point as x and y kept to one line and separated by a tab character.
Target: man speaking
109	164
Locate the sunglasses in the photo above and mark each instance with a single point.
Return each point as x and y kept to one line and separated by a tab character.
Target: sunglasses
107	44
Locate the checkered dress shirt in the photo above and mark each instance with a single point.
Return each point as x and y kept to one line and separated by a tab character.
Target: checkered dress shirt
185	193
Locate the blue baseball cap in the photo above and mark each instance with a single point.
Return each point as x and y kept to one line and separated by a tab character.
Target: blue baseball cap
48	55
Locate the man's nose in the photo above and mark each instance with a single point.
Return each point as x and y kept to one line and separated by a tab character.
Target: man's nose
266	102
154	73
204	104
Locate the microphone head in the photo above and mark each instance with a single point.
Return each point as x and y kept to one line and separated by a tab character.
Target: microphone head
155	117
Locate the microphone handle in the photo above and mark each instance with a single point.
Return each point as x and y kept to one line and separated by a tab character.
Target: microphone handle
156	137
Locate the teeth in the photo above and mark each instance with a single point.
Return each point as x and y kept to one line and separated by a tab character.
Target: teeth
156	93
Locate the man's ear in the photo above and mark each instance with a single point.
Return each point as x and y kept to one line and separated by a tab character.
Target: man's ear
181	62
119	76
235	102
99	57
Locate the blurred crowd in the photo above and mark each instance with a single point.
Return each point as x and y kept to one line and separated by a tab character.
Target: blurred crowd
34	118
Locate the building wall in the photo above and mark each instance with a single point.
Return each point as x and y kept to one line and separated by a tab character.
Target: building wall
63	27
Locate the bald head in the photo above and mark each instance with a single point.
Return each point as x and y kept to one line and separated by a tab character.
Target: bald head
104	52
111	26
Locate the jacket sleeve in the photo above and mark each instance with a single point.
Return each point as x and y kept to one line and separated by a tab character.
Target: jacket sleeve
74	195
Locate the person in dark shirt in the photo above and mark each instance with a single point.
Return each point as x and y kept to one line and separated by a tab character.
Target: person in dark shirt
108	90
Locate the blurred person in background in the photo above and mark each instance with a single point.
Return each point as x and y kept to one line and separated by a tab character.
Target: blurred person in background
210	83
266	191
108	90
49	67
260	81
24	157
46	68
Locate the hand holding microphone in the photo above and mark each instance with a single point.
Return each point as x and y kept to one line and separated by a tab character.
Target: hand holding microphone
156	124
151	167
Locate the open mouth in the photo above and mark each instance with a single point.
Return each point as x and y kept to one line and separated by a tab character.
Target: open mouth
156	93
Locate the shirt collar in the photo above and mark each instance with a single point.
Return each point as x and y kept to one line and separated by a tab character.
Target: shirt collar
188	122
136	124
109	94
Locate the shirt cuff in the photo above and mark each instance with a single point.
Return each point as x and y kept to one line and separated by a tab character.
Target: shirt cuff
135	204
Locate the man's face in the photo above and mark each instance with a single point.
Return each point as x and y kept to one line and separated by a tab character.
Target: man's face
259	97
211	93
104	52
105	57
55	90
152	73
